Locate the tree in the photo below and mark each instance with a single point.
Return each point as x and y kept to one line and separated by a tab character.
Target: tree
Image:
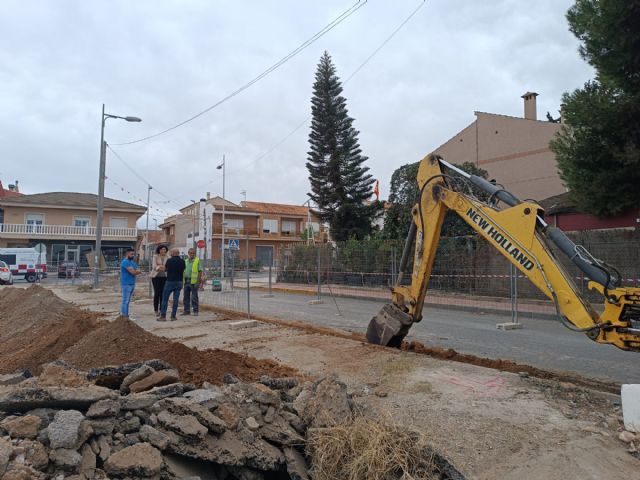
598	148
340	183
403	196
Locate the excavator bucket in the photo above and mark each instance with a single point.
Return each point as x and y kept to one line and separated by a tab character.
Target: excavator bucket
389	326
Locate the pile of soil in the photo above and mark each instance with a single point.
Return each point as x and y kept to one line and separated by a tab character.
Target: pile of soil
122	341
36	327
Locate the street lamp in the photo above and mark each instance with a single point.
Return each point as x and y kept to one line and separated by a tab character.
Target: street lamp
193	232
101	177
222	254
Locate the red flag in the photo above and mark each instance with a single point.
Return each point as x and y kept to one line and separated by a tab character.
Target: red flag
376	190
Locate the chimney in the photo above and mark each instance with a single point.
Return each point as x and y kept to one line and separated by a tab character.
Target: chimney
208	195
17	188
12	187
530	111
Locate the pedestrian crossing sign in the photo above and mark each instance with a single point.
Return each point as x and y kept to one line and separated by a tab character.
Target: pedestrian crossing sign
234	244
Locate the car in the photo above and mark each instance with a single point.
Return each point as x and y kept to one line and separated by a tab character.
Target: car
6	277
68	270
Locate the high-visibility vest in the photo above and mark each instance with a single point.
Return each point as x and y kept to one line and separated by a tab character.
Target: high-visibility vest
195	266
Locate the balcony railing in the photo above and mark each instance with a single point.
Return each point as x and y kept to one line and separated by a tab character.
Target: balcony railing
63	231
217	230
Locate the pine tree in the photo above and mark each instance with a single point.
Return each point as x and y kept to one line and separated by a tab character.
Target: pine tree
340	183
598	148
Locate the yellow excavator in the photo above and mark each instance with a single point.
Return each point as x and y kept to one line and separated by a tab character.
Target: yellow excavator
518	231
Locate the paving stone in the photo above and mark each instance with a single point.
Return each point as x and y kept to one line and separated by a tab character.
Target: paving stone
26	426
141	460
156	379
243	324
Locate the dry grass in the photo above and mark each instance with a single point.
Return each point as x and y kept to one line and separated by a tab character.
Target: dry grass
369	449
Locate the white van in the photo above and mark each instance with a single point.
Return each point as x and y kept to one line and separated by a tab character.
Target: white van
25	262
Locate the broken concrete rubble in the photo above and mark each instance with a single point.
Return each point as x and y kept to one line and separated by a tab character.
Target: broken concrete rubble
241	430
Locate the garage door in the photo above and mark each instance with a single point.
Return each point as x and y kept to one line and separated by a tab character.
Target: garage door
264	255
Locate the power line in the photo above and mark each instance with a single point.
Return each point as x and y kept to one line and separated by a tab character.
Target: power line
330	26
353	74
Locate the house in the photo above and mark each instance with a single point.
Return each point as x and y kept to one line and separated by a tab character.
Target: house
11	191
514	151
562	213
64	222
151	238
267	228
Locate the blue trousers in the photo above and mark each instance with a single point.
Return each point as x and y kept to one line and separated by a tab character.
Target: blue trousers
190	299
171	288
127	293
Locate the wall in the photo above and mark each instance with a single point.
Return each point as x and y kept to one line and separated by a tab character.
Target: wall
60	216
514	151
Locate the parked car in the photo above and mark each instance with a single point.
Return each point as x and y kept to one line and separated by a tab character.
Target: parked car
68	270
6	277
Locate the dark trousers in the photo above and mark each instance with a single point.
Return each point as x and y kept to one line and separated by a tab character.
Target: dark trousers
190	298
158	288
171	288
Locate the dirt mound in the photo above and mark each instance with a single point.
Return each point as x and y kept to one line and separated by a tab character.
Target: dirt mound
22	308
36	327
123	341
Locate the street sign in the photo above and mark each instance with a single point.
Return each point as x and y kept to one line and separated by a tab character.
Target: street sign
234	244
200	244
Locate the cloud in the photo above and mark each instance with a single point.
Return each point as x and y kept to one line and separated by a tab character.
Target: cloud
165	61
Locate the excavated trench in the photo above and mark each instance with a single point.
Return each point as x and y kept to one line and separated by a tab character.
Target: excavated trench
219	413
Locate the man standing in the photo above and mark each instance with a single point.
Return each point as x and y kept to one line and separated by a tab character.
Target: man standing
128	272
175	271
192	283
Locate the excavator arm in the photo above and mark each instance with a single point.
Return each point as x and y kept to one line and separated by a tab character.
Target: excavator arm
520	234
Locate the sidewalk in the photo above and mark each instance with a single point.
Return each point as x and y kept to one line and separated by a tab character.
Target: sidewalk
539	308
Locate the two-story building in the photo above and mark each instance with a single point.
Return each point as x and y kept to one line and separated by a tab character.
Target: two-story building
267	228
64	222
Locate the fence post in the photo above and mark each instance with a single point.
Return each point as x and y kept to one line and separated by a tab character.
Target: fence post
248	286
270	294
513	291
318	300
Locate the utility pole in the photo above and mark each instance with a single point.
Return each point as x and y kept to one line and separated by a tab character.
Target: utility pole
146	243
101	176
193	232
222	253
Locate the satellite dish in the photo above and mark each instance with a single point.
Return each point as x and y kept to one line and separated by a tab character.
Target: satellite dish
40	248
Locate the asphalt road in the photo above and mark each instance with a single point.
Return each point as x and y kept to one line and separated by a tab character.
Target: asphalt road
541	343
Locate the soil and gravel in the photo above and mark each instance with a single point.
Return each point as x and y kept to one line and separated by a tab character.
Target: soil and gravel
38	327
491	423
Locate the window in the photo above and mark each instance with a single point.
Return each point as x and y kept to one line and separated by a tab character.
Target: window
81	221
289	226
119	222
34	222
234	225
270	226
315	226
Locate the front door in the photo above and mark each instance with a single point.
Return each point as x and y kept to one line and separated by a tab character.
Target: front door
264	255
72	254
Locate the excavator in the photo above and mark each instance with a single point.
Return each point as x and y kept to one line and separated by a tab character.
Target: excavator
518	231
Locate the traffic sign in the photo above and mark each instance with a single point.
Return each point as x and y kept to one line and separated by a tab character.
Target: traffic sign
200	243
234	244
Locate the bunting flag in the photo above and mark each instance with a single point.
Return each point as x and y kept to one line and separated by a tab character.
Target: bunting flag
376	190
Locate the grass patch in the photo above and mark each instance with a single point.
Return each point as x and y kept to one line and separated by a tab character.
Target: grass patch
370	449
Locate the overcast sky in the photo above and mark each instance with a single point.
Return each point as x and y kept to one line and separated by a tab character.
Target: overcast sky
165	61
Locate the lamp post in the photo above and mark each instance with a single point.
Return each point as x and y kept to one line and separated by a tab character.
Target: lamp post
193	232
101	177
222	254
